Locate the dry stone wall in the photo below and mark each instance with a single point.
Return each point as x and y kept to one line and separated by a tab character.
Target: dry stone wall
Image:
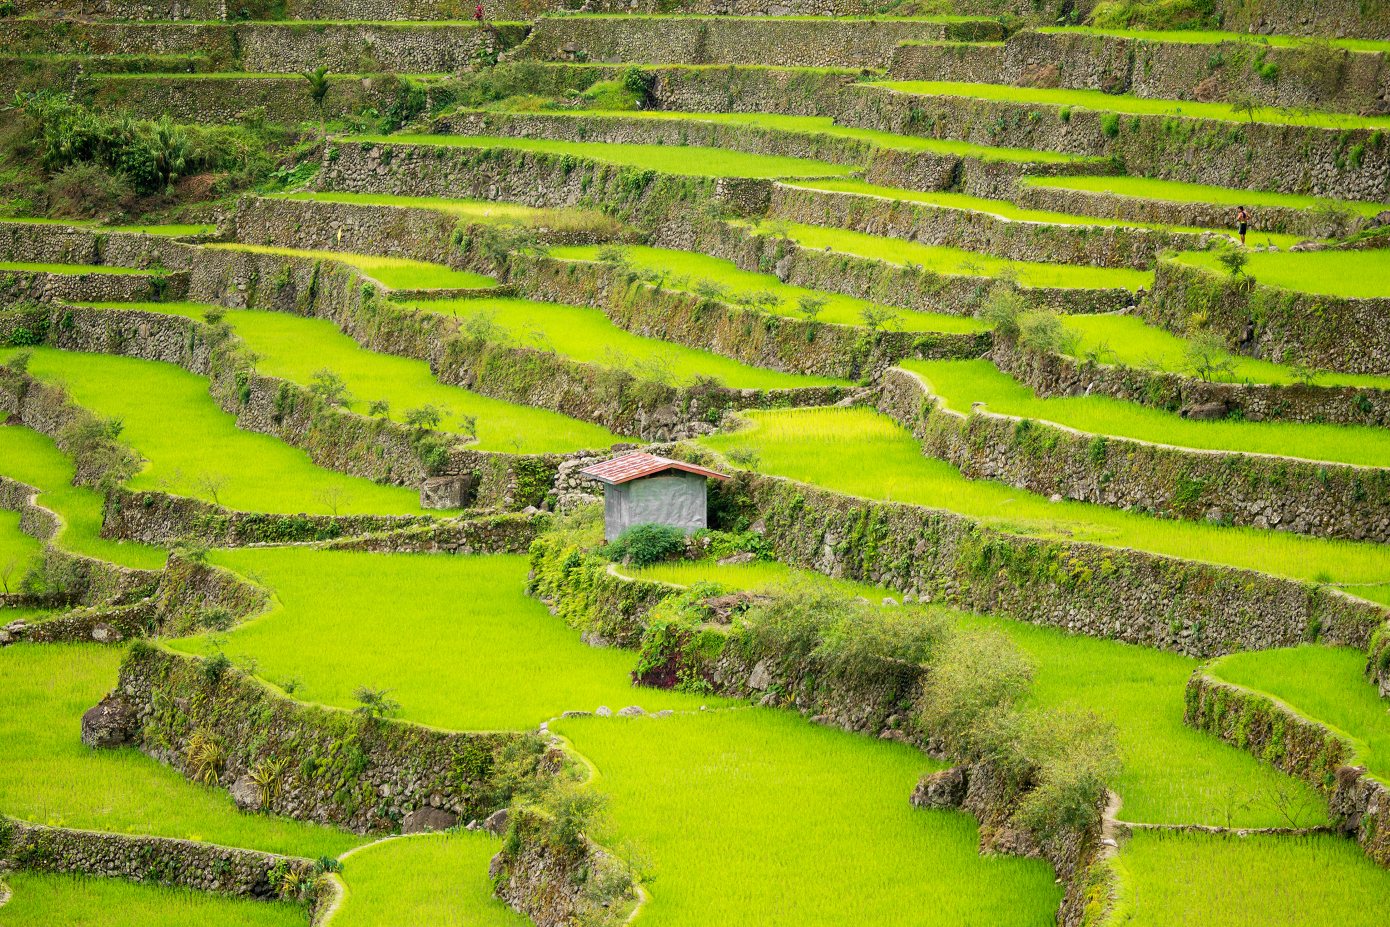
1260	491
213	100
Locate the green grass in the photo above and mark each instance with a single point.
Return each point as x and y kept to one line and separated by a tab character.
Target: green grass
689	269
1176	191
1203	880
692	161
476	653
33	458
1349	274
963	382
1172	774
172	231
295	348
43	899
587	335
396	273
1325	684
74	269
1213	37
1128	340
17	551
755	816
824	125
1002	209
484	211
859	452
192	446
956	261
1130	105
397	882
47	776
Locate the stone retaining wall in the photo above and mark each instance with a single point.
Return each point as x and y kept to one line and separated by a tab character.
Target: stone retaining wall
325	765
203	867
50	243
1189	607
1255	490
1283	326
20	286
215	100
1049	374
1252	721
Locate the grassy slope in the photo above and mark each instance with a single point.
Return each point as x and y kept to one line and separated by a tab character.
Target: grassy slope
862	453
396	273
507	662
1128	340
956	261
691	161
962	383
33	458
45	899
295	348
1352	274
1129	105
1200	880
587	335
1177	191
1323	683
47	776
187	440
397	882
690	268
755	816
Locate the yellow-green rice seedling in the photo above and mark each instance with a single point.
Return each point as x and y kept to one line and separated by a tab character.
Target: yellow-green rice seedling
33	458
701	274
1177	191
509	662
861	453
192	447
42	899
393	272
1353	274
1216	880
963	383
474	210
689	160
588	336
397	882
956	261
1325	684
17	552
175	230
1212	37
786	809
298	349
48	776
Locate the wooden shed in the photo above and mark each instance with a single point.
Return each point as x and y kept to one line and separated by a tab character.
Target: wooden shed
644	489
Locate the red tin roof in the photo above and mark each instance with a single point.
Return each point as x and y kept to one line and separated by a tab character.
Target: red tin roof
634	466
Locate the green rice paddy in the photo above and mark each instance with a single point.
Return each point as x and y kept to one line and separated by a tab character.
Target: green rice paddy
473	210
1176	191
1128	340
47	775
295	348
174	230
1213	37
964	382
1204	880
690	270
773	802
17	551
1131	105
691	161
194	448
510	664
586	335
1325	684
861	453
33	458
956	261
1349	274
43	899
396	273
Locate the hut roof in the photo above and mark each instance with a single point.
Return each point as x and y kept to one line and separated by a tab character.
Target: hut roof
636	465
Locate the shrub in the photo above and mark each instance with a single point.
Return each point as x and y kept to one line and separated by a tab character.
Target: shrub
573	810
1110	125
643	545
1207	359
1074	756
1234	260
974	683
88	191
424	417
1043	331
1002	309
374	704
329	387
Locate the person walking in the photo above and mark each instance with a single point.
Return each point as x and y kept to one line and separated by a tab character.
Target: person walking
1243	221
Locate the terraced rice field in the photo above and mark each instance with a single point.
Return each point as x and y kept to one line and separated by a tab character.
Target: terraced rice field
38	899
1176	191
1350	274
396	273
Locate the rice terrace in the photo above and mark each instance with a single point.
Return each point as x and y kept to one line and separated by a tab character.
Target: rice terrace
695	463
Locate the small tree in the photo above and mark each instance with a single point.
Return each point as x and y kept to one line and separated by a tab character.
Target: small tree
1234	260
10	568
332	497
811	305
1207	359
379	408
1247	105
876	317
211	484
424	417
1003	308
318	92
374	704
329	387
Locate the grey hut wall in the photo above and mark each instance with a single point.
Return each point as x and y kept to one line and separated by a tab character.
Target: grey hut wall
676	499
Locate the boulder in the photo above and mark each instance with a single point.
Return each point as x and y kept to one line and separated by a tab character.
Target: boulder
496	822
631	711
1205	411
111	723
246	793
944	789
428	818
760	679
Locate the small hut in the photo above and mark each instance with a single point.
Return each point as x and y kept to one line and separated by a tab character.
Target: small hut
644	489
